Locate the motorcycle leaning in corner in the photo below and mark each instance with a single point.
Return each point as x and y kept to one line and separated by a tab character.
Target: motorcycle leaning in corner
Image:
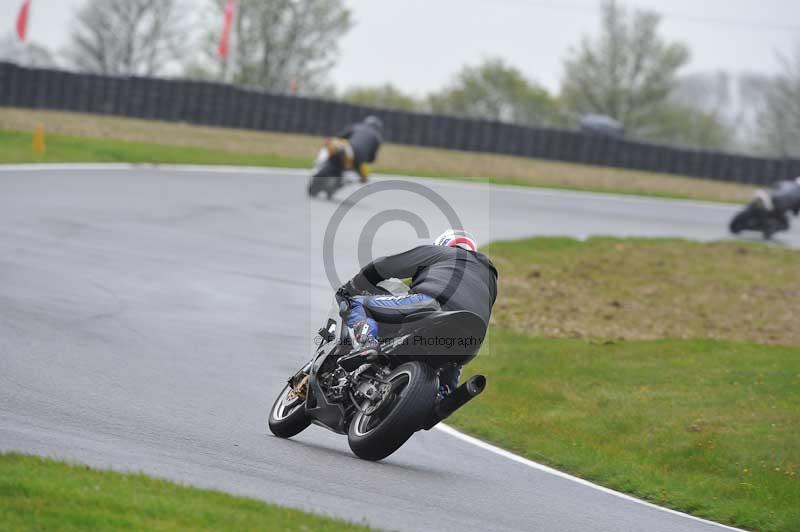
380	396
334	160
768	212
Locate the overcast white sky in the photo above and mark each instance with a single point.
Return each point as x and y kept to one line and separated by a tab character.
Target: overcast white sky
420	44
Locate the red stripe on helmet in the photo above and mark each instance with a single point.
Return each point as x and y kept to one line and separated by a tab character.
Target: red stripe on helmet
463	240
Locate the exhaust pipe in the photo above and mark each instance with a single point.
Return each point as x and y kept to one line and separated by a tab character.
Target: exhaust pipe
461	396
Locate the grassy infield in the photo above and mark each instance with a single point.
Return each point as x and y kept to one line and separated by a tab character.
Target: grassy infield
683	391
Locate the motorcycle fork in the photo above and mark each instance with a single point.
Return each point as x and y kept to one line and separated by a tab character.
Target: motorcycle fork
298	378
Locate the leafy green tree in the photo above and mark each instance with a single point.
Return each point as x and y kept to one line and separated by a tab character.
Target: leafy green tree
494	90
687	125
727	104
386	95
627	73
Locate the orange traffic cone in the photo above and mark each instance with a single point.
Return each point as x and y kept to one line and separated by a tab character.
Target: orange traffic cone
38	141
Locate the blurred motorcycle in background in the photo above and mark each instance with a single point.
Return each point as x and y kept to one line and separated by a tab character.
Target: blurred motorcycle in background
333	161
768	211
755	217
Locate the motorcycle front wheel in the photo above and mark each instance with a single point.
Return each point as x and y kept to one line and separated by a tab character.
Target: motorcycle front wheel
328	180
406	406
741	221
287	417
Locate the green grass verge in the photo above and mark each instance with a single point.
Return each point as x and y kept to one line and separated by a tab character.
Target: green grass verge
68	149
75	149
706	426
520	182
42	494
645	289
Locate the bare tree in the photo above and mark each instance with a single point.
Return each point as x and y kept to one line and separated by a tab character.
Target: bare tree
279	45
627	73
779	119
127	37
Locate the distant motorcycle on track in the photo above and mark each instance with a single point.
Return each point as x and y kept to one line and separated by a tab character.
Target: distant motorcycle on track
768	212
755	218
331	168
379	397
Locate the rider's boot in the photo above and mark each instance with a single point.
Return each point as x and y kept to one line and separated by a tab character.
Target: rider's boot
365	345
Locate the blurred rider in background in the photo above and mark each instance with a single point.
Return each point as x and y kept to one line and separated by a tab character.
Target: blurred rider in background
784	197
365	139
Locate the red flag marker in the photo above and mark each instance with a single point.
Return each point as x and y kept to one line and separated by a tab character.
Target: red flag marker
230	9
22	20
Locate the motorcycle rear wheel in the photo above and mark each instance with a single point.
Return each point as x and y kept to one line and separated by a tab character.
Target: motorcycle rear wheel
774	225
287	417
413	392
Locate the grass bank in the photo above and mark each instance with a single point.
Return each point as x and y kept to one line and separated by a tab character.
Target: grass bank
635	289
77	137
16	148
600	364
41	494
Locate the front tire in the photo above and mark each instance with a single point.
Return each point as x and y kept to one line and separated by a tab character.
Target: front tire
740	222
413	392
327	179
287	417
315	186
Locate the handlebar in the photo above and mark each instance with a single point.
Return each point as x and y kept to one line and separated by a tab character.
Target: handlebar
343	300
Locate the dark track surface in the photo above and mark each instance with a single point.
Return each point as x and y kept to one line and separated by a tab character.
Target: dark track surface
148	319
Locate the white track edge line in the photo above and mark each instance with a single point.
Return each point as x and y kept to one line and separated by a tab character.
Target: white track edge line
517	189
546	469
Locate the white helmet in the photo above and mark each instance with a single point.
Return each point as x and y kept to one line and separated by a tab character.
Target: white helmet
456	238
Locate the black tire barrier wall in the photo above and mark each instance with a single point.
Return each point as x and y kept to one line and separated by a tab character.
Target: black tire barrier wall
222	105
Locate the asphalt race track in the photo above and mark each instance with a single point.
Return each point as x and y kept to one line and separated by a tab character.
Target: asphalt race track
149	317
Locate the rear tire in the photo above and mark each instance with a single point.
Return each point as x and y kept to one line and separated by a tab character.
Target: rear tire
414	386
287	417
774	225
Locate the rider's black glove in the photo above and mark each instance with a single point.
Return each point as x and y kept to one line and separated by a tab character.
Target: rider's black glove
348	290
